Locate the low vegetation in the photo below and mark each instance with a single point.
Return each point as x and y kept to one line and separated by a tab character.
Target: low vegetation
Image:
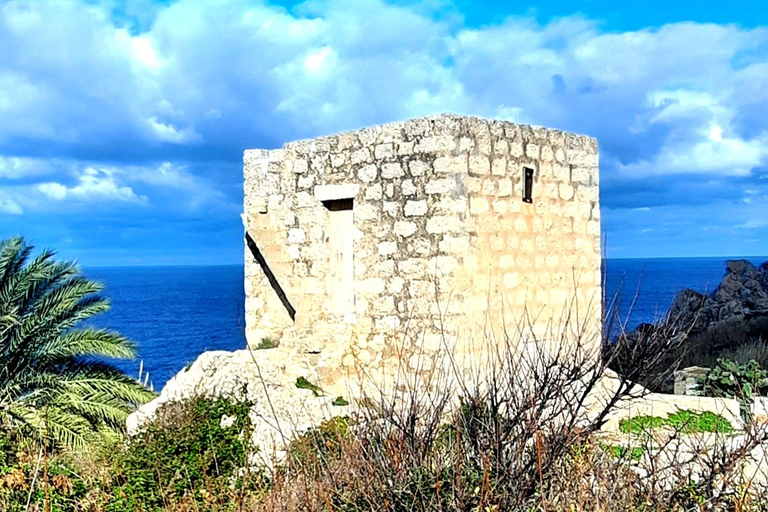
266	343
686	422
493	452
195	457
634	453
517	436
740	343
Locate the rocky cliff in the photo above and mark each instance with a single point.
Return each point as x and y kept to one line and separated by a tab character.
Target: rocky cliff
741	296
730	322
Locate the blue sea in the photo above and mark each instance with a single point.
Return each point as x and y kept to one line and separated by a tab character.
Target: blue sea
175	313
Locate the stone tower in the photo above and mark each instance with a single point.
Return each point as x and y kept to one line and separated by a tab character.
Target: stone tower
393	242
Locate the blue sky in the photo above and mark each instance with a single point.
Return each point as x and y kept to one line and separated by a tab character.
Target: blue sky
122	123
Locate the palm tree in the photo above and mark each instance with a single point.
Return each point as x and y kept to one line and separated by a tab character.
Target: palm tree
54	381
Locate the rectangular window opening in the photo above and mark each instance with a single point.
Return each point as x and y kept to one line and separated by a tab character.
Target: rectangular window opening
340	283
527	185
338	205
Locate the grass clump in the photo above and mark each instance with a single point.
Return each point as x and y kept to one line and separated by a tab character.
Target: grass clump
303	383
267	343
634	453
684	421
340	401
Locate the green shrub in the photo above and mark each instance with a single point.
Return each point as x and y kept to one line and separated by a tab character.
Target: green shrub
732	380
58	477
624	452
743	382
192	449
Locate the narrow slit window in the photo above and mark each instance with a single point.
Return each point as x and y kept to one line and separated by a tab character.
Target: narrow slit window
527	185
339	232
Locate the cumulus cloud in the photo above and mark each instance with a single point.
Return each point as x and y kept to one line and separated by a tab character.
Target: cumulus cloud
117	104
92	185
709	142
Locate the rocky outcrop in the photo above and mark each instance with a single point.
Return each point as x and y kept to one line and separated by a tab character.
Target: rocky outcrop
267	379
740	296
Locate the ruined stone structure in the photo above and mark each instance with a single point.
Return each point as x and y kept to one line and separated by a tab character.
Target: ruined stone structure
394	242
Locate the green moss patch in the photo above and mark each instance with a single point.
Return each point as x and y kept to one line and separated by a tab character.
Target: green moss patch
686	421
266	343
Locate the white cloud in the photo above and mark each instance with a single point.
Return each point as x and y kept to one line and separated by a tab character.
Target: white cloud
42	186
192	192
199	68
707	141
15	168
53	190
143	51
95	103
320	61
92	185
168	133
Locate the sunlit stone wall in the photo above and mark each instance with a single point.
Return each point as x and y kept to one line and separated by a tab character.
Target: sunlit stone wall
376	248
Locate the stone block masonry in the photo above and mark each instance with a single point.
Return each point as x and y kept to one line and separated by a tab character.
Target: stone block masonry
411	237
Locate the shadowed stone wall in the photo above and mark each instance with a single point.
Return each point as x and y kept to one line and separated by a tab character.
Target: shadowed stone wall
381	245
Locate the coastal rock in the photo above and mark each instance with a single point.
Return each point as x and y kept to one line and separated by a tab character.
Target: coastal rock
689	309
741	290
741	295
265	378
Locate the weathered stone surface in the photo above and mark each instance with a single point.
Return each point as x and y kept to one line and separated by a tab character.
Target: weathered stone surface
439	186
405	228
411	216
759	410
688	380
415	208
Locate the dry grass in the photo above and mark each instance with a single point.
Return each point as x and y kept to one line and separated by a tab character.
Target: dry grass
519	431
523	434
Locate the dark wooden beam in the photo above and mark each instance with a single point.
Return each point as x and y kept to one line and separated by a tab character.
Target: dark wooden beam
270	276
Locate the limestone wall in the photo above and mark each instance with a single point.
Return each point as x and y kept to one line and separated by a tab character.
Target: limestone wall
438	242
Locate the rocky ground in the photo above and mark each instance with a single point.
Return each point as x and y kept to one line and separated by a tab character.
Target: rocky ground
742	295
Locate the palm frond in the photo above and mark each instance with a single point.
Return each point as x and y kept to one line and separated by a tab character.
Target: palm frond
101	377
85	342
13	255
53	381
